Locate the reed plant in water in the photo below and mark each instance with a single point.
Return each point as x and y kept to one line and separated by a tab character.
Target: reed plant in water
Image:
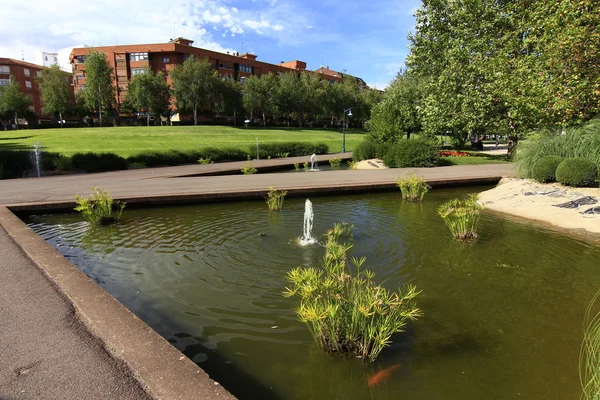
297	166
352	164
342	306
275	199
462	216
98	208
248	168
335	162
413	188
306	166
589	356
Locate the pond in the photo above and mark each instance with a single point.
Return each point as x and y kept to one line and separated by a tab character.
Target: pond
502	317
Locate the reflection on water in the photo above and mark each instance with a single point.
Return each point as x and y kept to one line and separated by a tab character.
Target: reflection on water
502	318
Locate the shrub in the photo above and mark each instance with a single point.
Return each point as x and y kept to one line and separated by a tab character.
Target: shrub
275	199
589	359
97	209
92	162
578	142
297	166
413	188
344	309
15	164
419	152
352	164
205	161
365	150
292	149
544	170
577	172
461	217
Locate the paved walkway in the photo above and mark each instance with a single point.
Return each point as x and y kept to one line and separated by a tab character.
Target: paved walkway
46	352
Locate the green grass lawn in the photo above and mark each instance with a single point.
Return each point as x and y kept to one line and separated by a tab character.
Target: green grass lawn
126	141
484	159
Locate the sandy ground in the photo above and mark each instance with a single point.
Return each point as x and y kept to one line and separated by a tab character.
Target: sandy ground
374	163
529	199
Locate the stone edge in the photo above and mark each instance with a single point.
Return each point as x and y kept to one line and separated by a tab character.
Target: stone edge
160	368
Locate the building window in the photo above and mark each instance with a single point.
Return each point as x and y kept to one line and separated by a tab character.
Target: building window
4	82
26	72
4	69
245	68
80	59
138	57
137	71
38	74
165	59
28	84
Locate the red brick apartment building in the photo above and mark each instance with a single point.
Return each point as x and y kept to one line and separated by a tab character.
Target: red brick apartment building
26	74
129	60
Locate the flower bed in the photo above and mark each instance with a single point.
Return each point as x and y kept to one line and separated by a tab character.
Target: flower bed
454	153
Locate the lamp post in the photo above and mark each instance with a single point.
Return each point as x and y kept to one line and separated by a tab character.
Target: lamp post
348	112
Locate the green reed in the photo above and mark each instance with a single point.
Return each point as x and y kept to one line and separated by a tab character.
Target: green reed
342	306
335	162
352	164
413	188
297	166
589	356
306	166
248	168
275	198
462	216
97	209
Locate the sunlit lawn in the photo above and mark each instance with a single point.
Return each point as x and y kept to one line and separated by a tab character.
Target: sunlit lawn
126	141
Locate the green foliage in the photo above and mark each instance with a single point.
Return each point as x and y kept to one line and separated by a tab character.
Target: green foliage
589	355
297	166
175	157
544	170
306	166
578	172
413	188
61	163
97	209
55	91
462	217
12	100
99	91
196	86
205	161
15	164
94	162
259	94
149	93
275	199
418	152
335	162
578	142
352	164
342	306
248	168
365	150
293	149
340	230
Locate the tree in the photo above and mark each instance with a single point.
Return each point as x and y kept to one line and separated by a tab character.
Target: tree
312	95
12	100
260	94
149	93
288	94
55	91
99	91
398	112
231	99
195	85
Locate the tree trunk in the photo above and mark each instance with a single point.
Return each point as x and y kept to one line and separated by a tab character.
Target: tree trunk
234	118
16	120
100	114
147	119
264	119
61	120
195	114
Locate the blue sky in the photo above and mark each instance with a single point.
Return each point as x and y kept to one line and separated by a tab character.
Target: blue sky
365	38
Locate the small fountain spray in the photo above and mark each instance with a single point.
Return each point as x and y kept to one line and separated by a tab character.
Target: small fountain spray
309	216
37	152
313	162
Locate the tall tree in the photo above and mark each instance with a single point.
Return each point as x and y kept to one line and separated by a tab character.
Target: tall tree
260	94
57	97
149	93
99	91
311	97
12	100
288	94
195	85
231	99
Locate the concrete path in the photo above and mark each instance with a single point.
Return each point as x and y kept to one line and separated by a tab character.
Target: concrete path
45	351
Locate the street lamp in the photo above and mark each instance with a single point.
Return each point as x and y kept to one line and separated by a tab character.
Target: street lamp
348	112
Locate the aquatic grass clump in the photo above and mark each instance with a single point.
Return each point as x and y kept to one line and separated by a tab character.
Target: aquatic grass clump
248	168
343	308
413	188
97	209
340	230
275	198
335	162
462	216
589	356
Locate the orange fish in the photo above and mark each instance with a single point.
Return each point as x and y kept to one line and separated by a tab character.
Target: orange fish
384	373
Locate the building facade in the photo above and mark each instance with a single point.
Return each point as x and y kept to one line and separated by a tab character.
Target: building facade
129	60
27	75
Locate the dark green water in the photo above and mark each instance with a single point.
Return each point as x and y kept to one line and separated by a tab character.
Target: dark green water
502	318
